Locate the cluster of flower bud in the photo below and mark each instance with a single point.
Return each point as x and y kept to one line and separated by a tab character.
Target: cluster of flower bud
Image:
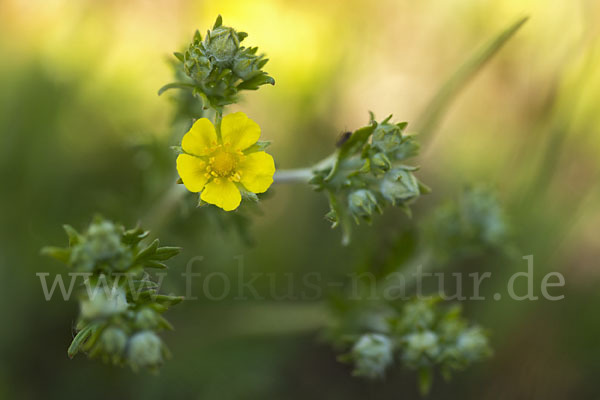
120	307
472	225
218	66
421	336
368	173
372	354
434	337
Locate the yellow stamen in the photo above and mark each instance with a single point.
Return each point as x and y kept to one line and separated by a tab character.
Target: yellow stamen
223	162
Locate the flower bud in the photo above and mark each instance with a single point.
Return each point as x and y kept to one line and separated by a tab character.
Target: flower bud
146	318
196	64
418	314
113	340
472	344
380	163
248	66
101	305
387	137
372	354
218	63
399	185
145	349
362	203
419	346
101	246
222	43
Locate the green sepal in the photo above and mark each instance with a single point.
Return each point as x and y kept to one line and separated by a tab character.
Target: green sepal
201	203
332	217
423	188
177	149
197	36
218	22
247	195
179	56
163	323
261	145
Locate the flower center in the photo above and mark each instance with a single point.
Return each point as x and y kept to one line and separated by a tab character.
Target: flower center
223	163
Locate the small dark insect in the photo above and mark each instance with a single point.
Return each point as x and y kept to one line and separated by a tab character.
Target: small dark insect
343	138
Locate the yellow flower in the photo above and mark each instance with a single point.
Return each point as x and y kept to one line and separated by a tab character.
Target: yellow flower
220	165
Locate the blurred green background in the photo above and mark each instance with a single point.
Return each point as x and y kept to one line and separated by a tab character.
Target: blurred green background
82	130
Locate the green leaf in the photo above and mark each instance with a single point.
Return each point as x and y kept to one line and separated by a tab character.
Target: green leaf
79	339
358	139
92	339
134	236
74	236
255	82
144	284
175	85
436	108
167	301
402	125
154	264
164	253
58	253
148	251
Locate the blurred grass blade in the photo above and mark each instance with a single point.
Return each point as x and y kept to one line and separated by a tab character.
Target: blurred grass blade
434	111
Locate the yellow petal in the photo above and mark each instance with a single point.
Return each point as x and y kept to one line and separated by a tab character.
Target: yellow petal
239	130
257	171
192	171
222	193
199	138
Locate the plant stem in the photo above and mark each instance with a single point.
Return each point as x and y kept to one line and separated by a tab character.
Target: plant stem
303	175
298	175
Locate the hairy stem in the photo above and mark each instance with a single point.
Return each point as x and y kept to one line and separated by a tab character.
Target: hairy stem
299	175
303	175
